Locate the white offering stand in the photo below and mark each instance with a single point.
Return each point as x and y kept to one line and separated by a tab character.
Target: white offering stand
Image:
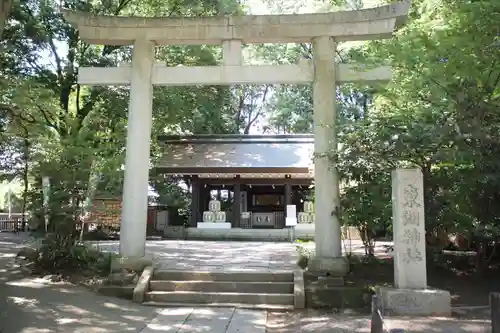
213	225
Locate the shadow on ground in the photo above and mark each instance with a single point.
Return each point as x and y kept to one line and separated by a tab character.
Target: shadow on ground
32	306
324	322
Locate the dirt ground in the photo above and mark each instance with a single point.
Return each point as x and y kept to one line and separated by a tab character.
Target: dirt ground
453	273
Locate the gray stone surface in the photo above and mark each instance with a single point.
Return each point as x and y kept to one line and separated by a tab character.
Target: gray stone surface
136	264
223	255
345	25
322	322
216	255
299	290
29	305
329	266
410	270
415	302
143	284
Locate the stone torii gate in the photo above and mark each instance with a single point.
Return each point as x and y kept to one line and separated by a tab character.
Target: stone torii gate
324	30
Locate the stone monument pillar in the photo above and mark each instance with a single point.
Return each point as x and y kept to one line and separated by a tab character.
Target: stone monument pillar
410	271
411	296
135	186
328	258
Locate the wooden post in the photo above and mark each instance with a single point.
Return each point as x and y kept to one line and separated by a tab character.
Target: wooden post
203	197
195	202
237	203
288	199
495	312
377	322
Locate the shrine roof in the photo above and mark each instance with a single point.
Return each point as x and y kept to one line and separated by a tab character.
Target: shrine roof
246	155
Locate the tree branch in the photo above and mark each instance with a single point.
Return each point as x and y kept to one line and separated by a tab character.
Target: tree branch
49	122
307	49
121	5
16	113
57	59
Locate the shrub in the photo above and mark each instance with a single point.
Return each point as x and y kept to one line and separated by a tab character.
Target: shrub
304	254
60	253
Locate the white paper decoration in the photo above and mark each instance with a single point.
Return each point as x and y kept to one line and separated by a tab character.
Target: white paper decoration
214	206
308	207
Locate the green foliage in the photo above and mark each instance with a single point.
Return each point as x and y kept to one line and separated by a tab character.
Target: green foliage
52	127
439	113
304	254
60	254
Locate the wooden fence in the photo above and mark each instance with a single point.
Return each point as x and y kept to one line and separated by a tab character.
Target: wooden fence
12	222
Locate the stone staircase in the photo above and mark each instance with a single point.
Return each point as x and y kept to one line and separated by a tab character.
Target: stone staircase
255	290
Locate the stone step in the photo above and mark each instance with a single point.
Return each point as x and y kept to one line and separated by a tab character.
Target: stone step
272	307
223	286
218	297
231	276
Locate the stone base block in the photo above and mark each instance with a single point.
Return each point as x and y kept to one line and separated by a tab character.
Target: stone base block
143	284
174	232
214	225
117	291
415	302
299	289
342	297
136	264
328	266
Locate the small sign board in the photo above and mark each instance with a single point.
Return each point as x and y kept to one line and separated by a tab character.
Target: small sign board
291	221
291	211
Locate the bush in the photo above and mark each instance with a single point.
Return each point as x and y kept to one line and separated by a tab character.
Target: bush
60	253
304	255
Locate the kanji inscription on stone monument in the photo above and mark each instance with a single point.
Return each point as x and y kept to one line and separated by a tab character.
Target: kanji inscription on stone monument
409	229
411	234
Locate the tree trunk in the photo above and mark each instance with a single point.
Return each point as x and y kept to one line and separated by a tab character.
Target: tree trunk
5	8
481	248
26	183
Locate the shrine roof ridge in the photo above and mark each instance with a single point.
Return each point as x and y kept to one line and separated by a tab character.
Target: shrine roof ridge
236	138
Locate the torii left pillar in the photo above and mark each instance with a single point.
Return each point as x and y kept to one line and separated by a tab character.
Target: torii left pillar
136	181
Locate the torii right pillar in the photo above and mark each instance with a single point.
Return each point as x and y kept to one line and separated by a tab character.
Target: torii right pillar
409	296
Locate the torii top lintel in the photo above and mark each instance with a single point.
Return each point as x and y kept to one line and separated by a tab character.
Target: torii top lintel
365	24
